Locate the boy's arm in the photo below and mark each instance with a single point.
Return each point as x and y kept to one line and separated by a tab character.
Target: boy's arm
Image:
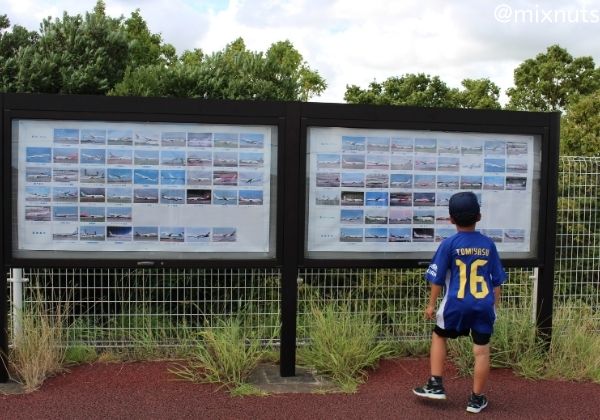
434	293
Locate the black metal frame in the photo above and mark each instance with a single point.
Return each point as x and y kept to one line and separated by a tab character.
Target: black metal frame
292	120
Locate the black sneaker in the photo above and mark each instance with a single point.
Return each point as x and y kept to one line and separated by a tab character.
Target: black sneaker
432	390
476	403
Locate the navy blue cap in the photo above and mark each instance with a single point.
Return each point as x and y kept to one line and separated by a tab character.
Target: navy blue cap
464	202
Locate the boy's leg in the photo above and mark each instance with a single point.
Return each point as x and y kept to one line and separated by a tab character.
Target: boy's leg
437	355
482	367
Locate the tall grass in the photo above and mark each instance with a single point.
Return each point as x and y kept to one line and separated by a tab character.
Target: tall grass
226	354
37	352
343	344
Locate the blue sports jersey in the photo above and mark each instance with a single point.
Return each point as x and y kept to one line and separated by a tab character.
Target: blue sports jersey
468	266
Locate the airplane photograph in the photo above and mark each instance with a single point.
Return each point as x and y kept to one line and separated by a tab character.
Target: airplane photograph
172	196
199	177
61	234
326	198
376	234
92	214
425	181
443	233
146	139
494	234
118	233
379	199
400	217
351	235
145	176
250	178
378	144
145	233
66	136
325	161
399	235
64	194
442	217
225	178
401	163
119	157
92	176
493	182
118	176
36	193
173	139
225	197
400	199
226	140
471	147
516	167
92	233
172	158
353	161
516	148
92	195
224	234
473	166
376	218
353	144
199	158
377	162
516	183
145	195
38	213
252	141
448	164
120	137
38	154
470	182
448	182
93	136
494	148
250	160
118	195
426	217
197	234
118	214
353	179
424	199
65	213
65	155
92	156
402	145
377	180
172	177
145	157
401	181
33	174
448	147
425	163
250	197
225	159
328	179
443	199
422	235
352	198
199	140
425	145
351	217
514	235
494	165
199	197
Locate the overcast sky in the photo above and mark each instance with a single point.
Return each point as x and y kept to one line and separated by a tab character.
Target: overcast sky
358	41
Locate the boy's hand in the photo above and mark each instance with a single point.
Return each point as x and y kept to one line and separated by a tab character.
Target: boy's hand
430	312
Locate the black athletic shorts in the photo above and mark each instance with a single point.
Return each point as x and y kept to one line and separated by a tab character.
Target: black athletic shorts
478	338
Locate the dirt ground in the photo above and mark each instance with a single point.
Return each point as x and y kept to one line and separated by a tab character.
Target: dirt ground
148	391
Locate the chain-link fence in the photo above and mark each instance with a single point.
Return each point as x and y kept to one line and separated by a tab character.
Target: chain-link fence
112	308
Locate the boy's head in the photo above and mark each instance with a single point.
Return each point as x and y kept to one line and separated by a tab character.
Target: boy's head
464	208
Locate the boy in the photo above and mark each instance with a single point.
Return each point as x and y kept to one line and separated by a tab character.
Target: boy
467	267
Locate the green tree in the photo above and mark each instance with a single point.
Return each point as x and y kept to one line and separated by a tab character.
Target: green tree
552	80
280	73
478	93
580	127
146	48
10	44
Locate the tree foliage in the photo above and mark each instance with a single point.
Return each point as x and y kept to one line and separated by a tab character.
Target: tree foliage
580	127
233	73
551	81
425	90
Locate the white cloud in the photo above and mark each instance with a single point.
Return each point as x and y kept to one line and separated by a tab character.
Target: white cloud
356	41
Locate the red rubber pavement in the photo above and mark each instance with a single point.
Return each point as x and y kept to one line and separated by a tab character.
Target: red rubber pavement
148	391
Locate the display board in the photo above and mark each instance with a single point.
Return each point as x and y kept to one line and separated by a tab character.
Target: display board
385	193
155	188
